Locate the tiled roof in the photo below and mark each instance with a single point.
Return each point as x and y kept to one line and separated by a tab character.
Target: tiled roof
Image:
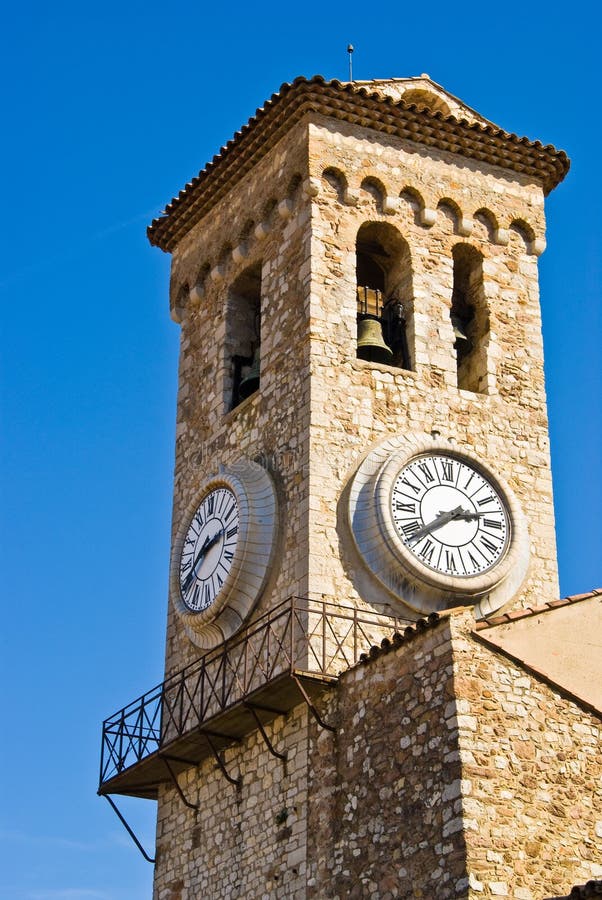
513	615
358	106
400	637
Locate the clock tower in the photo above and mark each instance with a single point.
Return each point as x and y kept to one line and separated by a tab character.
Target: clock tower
362	504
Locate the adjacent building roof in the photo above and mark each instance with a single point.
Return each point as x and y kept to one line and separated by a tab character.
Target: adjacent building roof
560	641
358	105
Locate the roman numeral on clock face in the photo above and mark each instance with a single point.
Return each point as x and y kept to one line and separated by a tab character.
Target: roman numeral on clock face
411	486
426	551
492	523
447	470
450	562
488	544
428	475
409	528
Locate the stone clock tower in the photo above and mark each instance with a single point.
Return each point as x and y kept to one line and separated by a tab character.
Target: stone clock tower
367	692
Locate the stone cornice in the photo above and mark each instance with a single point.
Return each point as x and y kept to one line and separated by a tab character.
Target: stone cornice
357	106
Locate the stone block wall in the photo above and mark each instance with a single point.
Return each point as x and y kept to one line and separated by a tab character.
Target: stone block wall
385	798
452	774
263	221
532	778
241	843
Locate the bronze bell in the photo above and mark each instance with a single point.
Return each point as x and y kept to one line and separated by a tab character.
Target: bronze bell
370	342
250	383
459	328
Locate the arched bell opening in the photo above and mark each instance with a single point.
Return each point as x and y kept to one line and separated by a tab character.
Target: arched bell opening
469	319
243	334
383	295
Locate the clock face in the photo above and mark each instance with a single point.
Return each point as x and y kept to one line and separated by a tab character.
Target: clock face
436	527
208	549
449	515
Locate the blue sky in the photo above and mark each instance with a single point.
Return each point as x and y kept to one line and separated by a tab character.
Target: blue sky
107	111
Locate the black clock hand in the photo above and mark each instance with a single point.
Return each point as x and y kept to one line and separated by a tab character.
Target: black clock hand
214	539
208	543
438	522
469	516
191	575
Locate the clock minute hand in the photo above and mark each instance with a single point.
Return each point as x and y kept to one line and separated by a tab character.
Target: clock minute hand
192	574
438	522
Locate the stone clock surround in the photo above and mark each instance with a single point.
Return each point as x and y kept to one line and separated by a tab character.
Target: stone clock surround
368	502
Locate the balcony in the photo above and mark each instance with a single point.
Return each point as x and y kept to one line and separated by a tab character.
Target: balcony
288	656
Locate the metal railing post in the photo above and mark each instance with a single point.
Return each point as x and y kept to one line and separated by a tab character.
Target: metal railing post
323	637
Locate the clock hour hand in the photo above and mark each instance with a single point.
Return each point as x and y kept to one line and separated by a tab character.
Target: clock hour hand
438	522
207	545
468	516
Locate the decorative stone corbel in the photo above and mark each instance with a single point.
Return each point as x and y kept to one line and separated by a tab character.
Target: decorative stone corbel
217	273
197	292
465	227
501	237
428	216
350	198
537	246
311	187
177	314
261	231
285	209
240	253
390	205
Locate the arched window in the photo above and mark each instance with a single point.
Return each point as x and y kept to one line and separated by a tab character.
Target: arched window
470	319
243	334
384	295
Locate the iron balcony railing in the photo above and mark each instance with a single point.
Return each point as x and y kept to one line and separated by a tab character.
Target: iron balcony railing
300	638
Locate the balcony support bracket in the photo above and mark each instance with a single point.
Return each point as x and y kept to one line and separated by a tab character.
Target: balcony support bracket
175	782
311	705
262	730
129	830
237	782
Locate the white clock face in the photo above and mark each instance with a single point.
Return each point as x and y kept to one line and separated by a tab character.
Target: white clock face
449	515
208	549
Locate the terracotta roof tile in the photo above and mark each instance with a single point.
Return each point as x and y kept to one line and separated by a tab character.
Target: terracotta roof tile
535	610
359	106
399	637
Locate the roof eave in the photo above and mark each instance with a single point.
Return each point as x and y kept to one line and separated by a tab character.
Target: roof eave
359	106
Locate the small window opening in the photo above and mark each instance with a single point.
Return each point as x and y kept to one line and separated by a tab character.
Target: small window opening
243	341
382	273
469	319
